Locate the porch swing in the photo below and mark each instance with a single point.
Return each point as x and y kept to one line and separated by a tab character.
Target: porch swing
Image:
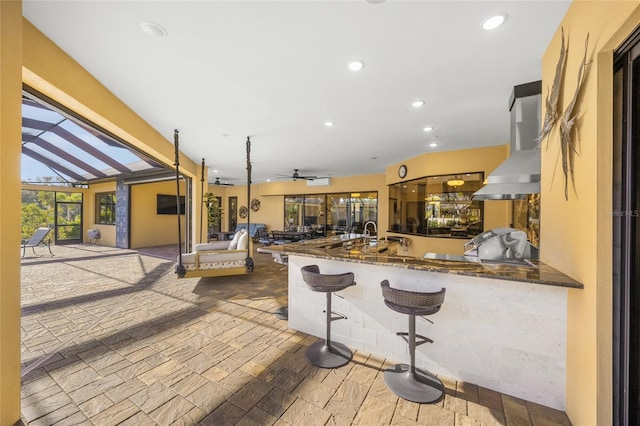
221	258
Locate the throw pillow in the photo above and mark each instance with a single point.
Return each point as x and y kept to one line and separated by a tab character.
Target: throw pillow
236	237
242	242
234	242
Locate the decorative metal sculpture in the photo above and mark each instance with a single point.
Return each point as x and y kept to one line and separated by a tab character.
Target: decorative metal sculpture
551	114
567	148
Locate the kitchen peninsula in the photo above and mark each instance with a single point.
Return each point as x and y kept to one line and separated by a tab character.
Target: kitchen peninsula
501	326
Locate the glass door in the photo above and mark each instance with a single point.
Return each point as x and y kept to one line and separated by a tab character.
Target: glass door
68	218
233	213
349	212
626	233
293	212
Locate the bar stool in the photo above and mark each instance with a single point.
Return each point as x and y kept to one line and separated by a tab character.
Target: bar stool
327	354
404	380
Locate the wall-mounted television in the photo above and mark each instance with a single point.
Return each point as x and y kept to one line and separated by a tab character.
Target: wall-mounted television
167	204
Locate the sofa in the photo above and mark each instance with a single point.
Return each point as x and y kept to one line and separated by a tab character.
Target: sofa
253	228
219	258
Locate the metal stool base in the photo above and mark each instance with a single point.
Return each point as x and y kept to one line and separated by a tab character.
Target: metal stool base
423	386
282	313
324	356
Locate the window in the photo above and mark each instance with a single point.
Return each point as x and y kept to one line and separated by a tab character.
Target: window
106	208
437	206
330	214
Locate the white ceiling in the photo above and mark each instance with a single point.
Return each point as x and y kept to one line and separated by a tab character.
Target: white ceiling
277	70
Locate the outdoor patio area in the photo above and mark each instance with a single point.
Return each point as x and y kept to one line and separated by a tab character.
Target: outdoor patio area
110	336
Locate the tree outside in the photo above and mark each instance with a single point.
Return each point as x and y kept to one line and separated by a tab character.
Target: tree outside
38	211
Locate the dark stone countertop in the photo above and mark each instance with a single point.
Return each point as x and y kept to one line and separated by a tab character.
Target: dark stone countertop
385	254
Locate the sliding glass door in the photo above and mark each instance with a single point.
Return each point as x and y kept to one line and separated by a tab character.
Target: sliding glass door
626	234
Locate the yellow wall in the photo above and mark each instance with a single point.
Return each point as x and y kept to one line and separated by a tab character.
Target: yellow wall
10	148
148	228
271	196
576	233
496	213
107	232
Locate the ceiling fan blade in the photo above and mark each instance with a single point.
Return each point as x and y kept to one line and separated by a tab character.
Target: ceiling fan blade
218	183
297	175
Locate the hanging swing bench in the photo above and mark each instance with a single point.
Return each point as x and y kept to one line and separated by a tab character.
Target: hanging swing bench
221	258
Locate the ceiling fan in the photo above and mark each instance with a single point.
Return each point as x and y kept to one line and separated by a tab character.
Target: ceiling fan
218	183
296	175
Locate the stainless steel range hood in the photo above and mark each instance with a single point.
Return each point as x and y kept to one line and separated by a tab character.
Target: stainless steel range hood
519	175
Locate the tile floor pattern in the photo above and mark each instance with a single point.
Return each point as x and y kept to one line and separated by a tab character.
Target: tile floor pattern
110	336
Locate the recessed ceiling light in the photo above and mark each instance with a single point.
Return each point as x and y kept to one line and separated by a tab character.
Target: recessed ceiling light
417	104
215	171
428	128
268	180
433	144
356	65
152	29
493	22
329	123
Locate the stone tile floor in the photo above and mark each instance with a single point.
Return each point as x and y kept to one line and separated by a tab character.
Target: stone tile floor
110	336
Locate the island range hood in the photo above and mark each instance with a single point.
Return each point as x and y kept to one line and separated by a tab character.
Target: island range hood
519	175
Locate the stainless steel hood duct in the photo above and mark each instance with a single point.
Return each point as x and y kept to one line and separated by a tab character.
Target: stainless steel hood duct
519	175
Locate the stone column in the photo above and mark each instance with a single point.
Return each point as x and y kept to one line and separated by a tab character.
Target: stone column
123	207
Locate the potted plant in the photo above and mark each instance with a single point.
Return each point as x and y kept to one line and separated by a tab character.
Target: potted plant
214	211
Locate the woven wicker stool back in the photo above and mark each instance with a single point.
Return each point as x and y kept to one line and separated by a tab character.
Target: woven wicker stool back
412	302
326	282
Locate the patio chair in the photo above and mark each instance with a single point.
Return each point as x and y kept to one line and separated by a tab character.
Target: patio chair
279	238
264	237
38	238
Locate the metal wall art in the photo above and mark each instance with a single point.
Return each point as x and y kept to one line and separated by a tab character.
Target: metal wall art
568	119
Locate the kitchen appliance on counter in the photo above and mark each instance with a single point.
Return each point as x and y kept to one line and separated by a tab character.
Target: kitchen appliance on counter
501	245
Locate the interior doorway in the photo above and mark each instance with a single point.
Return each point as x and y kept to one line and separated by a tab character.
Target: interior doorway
626	233
233	214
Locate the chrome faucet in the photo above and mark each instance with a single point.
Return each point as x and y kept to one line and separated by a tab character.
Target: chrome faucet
367	233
